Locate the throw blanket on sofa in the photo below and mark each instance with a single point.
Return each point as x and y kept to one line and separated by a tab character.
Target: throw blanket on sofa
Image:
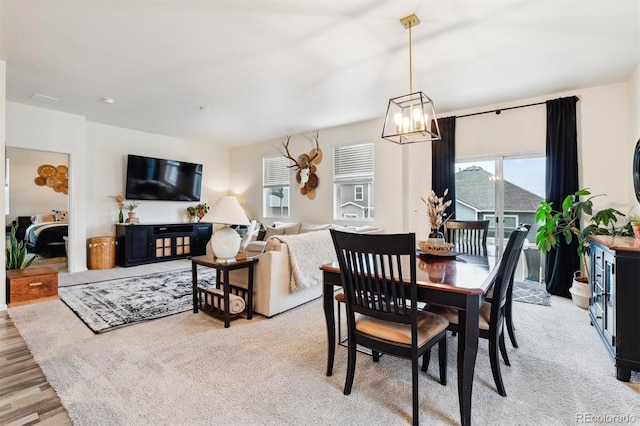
307	253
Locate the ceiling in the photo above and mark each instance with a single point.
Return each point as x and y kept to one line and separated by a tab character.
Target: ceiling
263	69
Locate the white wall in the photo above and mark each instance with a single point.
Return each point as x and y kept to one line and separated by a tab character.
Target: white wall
47	130
97	155
245	176
25	197
107	158
403	174
3	103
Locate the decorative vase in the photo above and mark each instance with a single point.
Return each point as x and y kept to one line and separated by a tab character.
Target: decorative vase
436	238
120	217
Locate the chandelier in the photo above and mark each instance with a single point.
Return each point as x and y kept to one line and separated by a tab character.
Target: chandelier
411	118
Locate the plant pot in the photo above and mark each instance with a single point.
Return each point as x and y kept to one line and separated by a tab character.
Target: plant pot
580	290
636	229
131	215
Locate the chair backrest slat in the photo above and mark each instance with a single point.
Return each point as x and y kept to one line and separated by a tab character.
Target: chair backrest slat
374	269
467	236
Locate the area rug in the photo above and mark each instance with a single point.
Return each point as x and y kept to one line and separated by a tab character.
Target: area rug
536	296
107	305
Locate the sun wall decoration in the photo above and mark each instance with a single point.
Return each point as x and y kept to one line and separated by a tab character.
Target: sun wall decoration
57	178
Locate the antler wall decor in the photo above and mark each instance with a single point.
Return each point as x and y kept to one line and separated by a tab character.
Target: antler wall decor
305	167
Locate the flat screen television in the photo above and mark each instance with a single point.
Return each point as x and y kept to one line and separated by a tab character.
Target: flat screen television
158	179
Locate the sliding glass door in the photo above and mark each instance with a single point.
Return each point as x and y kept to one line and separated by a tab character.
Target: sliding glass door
506	190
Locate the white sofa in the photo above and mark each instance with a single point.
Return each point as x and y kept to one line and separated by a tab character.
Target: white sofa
272	272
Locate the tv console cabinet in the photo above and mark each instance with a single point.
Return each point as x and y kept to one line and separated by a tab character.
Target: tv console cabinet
140	244
614	307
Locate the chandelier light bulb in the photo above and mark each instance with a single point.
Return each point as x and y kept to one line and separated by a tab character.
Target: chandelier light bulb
406	124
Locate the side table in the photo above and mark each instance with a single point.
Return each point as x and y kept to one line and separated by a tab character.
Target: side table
33	284
222	281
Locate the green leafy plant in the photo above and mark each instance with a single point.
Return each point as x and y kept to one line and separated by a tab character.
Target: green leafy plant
558	225
634	218
131	206
200	210
17	253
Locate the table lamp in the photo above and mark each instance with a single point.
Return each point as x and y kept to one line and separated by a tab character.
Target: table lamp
225	242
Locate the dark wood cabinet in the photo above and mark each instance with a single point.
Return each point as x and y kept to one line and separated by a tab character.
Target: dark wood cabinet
140	244
614	307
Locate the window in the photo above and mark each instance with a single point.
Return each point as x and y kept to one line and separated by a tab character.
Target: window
505	190
275	184
353	181
358	193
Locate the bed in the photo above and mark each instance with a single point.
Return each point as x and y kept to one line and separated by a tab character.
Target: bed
46	235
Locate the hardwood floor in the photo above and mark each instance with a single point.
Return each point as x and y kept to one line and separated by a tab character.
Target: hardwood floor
26	398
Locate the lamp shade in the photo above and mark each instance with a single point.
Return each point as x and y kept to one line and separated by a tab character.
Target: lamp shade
228	211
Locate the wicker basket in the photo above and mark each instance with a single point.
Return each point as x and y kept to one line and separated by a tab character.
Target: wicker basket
436	249
101	252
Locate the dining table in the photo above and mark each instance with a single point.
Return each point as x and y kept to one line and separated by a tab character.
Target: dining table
457	280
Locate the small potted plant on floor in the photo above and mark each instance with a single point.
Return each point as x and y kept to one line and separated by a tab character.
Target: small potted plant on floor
559	225
17	253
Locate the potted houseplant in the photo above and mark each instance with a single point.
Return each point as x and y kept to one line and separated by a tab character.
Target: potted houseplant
130	209
196	213
558	225
17	253
634	221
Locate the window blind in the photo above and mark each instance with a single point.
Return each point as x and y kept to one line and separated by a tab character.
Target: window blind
275	172
353	162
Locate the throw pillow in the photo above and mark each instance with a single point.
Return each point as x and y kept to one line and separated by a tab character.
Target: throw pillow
273	231
60	215
261	233
43	218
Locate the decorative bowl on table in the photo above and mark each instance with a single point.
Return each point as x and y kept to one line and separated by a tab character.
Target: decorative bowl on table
435	249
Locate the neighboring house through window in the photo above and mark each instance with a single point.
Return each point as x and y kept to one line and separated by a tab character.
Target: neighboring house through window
353	181
275	183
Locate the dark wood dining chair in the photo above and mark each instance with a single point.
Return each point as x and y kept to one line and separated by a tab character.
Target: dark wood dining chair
467	236
378	274
508	312
492	314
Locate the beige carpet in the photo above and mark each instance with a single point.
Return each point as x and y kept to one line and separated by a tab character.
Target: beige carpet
187	369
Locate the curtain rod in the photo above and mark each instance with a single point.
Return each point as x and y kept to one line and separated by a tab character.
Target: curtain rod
499	110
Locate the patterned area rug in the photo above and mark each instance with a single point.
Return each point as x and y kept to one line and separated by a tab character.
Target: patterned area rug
106	305
536	296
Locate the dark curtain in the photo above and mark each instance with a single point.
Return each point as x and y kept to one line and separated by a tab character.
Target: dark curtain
443	158
561	180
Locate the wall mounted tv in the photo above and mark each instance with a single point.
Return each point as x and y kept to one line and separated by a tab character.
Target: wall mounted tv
157	179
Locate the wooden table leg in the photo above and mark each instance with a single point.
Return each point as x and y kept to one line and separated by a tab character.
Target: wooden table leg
227	320
327	303
467	352
250	290
194	283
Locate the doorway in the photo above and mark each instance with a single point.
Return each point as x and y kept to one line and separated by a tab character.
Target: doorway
36	199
